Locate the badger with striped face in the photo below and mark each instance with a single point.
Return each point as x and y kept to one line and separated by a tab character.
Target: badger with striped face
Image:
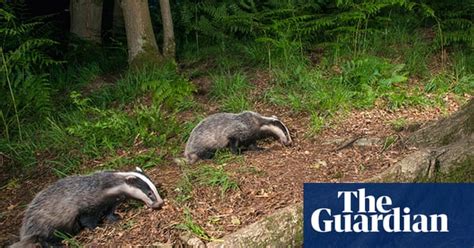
78	202
239	132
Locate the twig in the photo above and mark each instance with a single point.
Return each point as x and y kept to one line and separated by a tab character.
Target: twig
348	143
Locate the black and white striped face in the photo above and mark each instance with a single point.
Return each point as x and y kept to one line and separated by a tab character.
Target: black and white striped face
139	186
277	128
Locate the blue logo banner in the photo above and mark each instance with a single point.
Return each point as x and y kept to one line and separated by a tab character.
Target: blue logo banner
388	215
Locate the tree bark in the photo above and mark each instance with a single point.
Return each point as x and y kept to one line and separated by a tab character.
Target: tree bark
142	47
283	228
86	19
169	46
442	146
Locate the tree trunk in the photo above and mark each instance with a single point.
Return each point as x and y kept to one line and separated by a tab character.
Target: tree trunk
169	46
283	228
118	24
442	147
86	19
142	47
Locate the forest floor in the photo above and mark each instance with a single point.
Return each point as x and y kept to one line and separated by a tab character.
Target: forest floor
267	180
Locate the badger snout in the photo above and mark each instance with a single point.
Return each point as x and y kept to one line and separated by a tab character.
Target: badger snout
286	142
157	205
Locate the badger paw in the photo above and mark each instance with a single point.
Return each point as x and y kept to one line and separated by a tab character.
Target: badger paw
112	217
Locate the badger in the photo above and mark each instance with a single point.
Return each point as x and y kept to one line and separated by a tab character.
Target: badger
76	202
239	132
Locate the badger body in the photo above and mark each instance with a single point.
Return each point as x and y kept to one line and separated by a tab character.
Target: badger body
236	131
78	202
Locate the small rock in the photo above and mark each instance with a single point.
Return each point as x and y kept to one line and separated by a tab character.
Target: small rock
367	142
306	152
336	141
192	241
196	243
162	245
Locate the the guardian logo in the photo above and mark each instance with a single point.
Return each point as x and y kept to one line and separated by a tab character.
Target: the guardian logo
374	214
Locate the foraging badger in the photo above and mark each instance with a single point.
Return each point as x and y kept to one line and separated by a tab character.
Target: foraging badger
77	202
236	131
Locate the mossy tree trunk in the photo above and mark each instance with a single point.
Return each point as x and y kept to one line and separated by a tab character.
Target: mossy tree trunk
443	146
142	47
169	46
86	19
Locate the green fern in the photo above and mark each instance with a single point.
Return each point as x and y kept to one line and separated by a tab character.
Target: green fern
22	82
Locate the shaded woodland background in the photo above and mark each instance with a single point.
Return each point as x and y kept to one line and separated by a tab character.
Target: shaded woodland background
90	84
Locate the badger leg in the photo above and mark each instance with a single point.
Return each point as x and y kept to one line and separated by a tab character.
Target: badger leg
207	154
50	243
234	146
89	221
254	147
110	215
250	145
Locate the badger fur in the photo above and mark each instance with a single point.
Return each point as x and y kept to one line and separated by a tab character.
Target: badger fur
78	202
236	131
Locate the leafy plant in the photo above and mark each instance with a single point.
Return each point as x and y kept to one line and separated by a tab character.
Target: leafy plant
453	27
399	124
168	87
23	85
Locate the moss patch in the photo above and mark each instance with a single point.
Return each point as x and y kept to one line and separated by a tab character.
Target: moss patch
149	55
462	172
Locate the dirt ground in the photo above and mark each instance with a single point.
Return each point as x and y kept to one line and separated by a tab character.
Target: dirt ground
268	180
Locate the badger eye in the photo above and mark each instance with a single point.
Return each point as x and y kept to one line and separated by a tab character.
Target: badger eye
150	194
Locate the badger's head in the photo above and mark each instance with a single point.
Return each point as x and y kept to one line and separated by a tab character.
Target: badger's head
137	185
273	126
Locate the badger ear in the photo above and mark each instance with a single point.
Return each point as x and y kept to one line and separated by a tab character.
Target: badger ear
274	116
130	179
138	169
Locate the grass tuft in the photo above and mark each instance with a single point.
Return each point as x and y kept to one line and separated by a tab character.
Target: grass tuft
190	225
231	91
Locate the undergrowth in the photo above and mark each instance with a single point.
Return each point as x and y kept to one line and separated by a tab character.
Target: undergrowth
190	225
231	91
64	109
115	124
205	175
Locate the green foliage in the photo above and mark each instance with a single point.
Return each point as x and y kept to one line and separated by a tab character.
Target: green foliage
190	225
389	141
454	23
399	124
207	176
284	26
68	239
317	123
461	172
232	91
357	83
98	130
23	85
215	177
166	87
222	157
322	58
89	129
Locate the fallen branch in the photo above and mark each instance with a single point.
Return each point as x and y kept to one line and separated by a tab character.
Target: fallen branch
348	143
